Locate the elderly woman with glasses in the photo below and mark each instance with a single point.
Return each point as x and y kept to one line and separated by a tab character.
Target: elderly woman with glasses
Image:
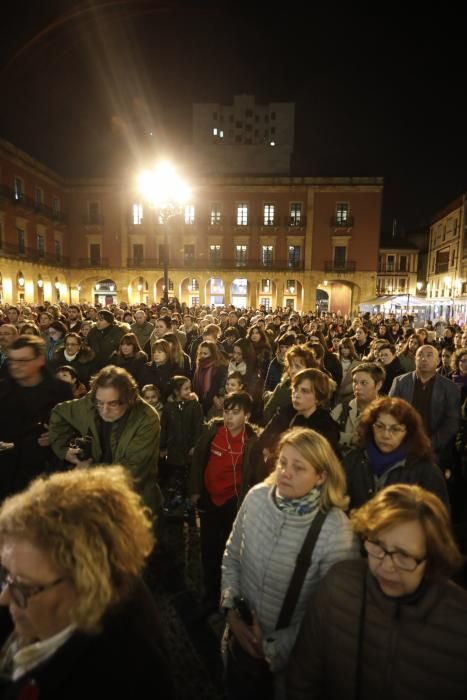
393	447
394	625
82	622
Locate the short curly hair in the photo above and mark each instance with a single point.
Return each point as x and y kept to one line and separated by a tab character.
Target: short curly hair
93	526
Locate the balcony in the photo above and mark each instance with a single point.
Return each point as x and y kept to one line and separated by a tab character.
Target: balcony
341	223
93	262
393	270
143	262
293	222
335	266
13	250
92	220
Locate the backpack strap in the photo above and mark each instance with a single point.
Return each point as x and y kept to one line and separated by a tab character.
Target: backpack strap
302	565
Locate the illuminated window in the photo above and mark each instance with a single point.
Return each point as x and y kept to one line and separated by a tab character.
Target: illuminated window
269	214
216	214
19	188
342	213
295	214
242	214
190	214
241	255
137	213
266	286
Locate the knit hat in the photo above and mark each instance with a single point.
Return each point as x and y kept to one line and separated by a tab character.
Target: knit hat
106	315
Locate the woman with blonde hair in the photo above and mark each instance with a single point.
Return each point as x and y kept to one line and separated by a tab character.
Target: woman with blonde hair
303	500
394	625
72	550
179	357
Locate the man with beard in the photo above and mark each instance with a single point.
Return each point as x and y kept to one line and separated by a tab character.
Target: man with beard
119	427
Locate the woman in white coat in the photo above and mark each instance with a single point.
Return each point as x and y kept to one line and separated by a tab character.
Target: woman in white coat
261	554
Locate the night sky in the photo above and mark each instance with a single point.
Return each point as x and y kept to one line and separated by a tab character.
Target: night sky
375	94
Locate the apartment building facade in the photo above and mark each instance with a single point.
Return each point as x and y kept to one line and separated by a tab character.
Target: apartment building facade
246	240
447	262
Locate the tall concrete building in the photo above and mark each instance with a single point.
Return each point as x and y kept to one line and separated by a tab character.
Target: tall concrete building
244	138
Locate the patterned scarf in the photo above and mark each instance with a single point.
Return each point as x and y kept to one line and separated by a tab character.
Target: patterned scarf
299	506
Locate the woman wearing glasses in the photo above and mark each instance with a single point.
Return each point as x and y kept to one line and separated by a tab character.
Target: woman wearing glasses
82	622
393	626
393	447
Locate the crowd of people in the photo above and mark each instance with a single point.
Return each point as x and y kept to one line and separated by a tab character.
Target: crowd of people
322	458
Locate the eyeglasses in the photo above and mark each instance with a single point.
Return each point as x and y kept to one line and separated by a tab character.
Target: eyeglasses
391	429
20	592
400	560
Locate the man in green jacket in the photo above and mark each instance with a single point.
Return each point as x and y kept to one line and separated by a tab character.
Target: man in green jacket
122	427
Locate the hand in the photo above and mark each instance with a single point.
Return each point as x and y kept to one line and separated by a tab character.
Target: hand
194	498
249	638
71	456
266	454
190	452
43	439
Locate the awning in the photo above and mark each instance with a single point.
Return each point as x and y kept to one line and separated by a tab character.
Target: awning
378	301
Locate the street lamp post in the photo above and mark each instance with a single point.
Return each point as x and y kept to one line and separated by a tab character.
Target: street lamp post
166	193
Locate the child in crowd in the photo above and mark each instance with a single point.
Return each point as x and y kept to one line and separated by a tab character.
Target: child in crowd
152	395
235	382
69	375
181	424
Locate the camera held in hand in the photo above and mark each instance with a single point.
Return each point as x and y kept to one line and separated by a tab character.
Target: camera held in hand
85	447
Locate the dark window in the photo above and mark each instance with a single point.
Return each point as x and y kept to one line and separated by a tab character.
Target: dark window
403	263
188	254
340	252
138	252
93	212
21	240
294	255
58	249
95	253
41	245
248	113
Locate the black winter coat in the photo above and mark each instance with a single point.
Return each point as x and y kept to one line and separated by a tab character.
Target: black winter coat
362	483
320	421
126	659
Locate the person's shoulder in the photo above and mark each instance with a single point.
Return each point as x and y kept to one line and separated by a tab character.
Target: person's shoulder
344	573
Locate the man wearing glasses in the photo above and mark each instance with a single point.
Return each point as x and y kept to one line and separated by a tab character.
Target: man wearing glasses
120	428
27	396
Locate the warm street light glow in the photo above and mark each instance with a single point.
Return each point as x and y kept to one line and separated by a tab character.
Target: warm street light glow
163	188
419	285
447	281
40	283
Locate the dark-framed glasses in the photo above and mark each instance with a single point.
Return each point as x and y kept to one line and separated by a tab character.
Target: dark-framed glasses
400	560
391	429
21	592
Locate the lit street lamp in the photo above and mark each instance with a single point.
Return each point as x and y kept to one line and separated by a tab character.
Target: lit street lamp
166	193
